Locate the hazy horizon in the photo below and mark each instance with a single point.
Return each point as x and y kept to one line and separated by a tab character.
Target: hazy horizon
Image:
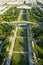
16	0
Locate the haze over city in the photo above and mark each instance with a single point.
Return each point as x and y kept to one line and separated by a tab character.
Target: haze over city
21	0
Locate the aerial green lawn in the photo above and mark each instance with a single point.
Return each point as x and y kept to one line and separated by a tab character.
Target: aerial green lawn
5	30
21	45
5	33
22	32
10	15
24	15
31	17
34	15
37	35
20	59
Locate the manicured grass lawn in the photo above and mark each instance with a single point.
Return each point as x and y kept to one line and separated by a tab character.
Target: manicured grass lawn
21	44
20	59
31	17
24	15
37	35
34	15
5	30
5	33
22	32
10	15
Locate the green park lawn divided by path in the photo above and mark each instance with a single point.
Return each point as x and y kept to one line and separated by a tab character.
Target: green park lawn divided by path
10	15
22	32
20	59
20	52
24	16
3	44
21	45
5	33
37	37
34	15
